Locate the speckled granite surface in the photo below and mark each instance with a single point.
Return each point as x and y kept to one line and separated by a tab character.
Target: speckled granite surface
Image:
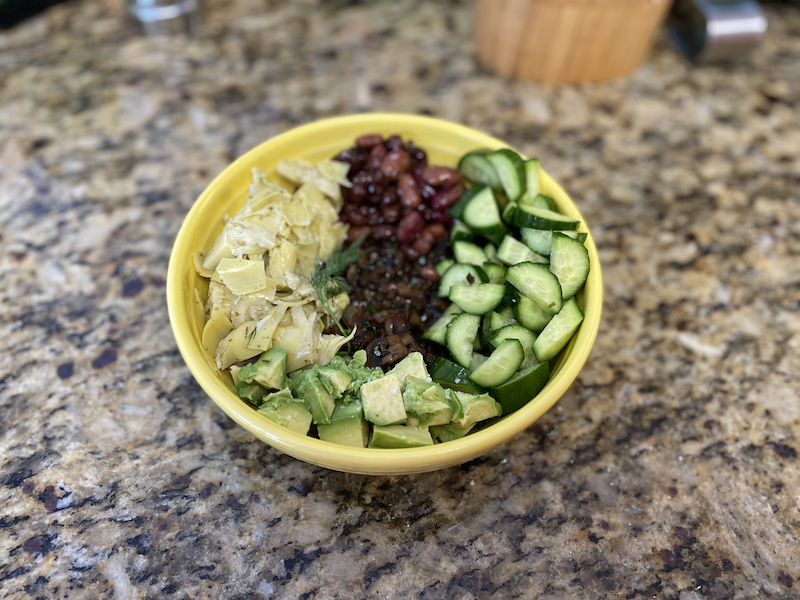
669	470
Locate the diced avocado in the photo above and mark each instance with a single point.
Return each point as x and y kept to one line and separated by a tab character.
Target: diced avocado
317	399
335	380
400	436
252	392
292	415
457	411
412	365
359	373
350	410
477	407
449	432
427	402
383	401
269	370
347	427
286	410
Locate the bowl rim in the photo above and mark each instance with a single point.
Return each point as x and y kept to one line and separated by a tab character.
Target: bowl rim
372	461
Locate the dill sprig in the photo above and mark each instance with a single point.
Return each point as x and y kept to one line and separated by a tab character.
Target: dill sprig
328	281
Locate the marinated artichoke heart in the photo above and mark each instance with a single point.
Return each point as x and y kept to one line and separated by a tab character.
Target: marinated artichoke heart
259	267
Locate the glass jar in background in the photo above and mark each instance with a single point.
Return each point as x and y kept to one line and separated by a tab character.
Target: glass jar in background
164	17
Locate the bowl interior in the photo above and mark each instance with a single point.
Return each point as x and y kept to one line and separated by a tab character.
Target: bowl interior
445	143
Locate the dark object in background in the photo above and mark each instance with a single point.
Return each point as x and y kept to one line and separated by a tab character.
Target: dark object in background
16	11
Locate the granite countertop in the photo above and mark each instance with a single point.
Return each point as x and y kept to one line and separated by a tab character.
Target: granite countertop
670	468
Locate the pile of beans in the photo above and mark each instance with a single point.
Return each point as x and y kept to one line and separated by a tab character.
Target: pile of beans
397	196
401	203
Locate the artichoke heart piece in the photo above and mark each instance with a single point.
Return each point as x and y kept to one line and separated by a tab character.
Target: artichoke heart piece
242	276
197	261
219	300
233	348
265	329
282	261
215	330
323	176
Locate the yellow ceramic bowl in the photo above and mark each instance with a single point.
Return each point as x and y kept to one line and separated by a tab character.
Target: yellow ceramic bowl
445	143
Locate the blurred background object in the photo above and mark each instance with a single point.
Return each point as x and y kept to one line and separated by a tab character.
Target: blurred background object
16	11
566	41
157	17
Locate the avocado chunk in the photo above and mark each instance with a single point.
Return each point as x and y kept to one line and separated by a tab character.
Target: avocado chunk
383	401
357	370
476	407
449	432
336	381
427	402
306	384
347	427
287	411
412	365
400	436
269	370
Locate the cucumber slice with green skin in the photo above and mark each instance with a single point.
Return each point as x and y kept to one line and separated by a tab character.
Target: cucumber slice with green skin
538	283
522	387
546	202
451	375
531	315
533	180
513	252
500	366
457	210
469	253
460	275
461	335
443	265
490	250
477	299
511	172
460	232
569	261
482	216
477	169
558	331
540	240
537	218
495	272
477	361
438	331
516	332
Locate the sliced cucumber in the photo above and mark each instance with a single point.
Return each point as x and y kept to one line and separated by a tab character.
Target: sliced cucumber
531	315
537	283
438	331
539	240
533	180
569	261
458	208
459	231
495	272
512	252
460	336
542	201
537	218
490	250
482	215
511	172
475	167
460	275
442	266
469	253
558	331
477	361
500	366
522	387
450	375
516	332
477	299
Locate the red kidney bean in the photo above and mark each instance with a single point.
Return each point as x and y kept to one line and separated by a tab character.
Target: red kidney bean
382	232
395	163
374	216
376	155
440	217
355	232
390	195
418	156
425	189
423	244
410	226
437	231
355	157
354	216
440	176
357	194
429	273
395	142
446	197
410	253
368	142
407	188
392	213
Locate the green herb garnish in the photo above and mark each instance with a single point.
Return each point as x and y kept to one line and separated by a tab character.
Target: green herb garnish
327	279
